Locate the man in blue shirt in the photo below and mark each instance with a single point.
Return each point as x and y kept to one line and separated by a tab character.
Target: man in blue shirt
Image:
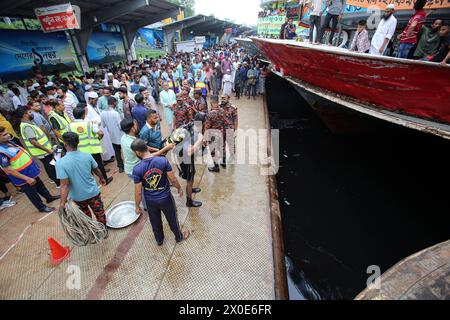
151	132
77	182
139	112
155	176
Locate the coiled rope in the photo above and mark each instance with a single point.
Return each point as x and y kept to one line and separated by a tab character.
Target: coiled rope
79	228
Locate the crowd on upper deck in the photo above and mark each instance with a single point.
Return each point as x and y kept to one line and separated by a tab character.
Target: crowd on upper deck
417	41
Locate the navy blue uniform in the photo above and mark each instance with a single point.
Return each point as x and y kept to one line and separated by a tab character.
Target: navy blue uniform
152	173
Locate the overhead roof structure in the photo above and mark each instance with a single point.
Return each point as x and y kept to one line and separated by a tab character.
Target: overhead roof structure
136	12
202	25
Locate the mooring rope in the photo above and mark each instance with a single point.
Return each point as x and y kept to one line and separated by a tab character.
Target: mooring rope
79	228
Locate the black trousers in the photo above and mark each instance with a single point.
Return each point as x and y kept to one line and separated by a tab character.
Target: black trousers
3	181
118	152
168	207
238	91
98	158
33	193
51	170
314	21
326	23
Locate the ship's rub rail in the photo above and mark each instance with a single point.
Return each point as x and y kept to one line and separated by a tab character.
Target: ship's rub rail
280	273
435	128
422	276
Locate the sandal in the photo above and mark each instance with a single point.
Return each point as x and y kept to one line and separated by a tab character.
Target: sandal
186	235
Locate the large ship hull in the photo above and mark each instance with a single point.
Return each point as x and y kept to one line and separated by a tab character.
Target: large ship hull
413	88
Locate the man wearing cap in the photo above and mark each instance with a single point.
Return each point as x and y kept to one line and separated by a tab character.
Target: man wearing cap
51	92
93	115
215	124
110	77
385	32
182	112
231	125
199	103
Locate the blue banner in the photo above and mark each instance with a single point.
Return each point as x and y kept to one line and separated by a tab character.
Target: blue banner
105	47
22	52
148	35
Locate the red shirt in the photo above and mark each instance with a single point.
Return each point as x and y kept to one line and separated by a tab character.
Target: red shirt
419	17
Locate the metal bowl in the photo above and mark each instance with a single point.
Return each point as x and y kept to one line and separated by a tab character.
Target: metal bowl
121	215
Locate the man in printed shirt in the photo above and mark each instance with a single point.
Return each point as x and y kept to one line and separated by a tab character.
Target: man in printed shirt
361	41
409	36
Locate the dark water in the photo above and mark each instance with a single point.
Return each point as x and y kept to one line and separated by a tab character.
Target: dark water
354	200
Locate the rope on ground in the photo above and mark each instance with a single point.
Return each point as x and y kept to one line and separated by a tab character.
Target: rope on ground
79	228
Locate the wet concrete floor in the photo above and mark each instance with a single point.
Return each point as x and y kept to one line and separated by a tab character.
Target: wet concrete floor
228	256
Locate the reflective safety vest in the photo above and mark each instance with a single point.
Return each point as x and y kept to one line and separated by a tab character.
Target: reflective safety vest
199	85
173	86
89	142
17	160
63	122
41	138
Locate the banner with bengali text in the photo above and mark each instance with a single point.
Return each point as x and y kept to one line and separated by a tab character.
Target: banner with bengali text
23	51
270	26
105	47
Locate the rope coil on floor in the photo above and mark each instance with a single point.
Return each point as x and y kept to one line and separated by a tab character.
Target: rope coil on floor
79	228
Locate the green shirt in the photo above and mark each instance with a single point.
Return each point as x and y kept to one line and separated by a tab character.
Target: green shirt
130	158
102	103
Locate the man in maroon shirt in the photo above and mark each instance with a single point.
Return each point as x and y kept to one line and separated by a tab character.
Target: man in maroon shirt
408	38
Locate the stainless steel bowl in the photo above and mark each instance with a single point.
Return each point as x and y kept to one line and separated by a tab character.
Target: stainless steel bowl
121	215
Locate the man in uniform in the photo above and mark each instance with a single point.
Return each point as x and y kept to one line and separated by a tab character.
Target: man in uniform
182	113
59	120
37	142
90	136
153	176
231	125
215	123
200	102
23	172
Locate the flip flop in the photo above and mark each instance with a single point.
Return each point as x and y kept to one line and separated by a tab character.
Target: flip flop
186	235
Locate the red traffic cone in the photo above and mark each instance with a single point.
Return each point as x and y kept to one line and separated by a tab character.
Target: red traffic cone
59	253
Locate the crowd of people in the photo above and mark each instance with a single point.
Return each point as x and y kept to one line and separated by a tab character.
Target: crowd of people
74	125
271	12
417	41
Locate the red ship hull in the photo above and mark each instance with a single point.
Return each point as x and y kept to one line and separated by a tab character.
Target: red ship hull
417	88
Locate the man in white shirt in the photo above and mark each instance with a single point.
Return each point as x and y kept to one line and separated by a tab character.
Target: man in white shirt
168	99
23	92
111	120
16	99
115	82
5	102
385	32
93	115
68	101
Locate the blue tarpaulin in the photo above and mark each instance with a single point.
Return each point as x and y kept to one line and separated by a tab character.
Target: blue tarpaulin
152	36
